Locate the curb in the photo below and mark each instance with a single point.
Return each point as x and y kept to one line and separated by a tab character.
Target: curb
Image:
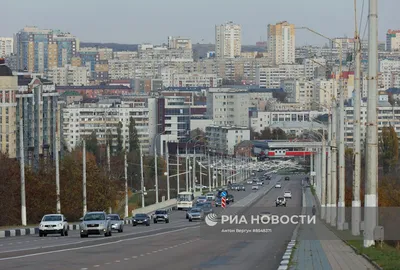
286	258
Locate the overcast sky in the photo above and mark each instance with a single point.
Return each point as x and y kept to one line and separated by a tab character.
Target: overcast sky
139	21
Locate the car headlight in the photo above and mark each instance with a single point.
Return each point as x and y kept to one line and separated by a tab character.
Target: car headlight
41	225
145	220
134	220
60	224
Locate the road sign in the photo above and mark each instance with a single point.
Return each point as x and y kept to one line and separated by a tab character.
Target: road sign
223	202
223	194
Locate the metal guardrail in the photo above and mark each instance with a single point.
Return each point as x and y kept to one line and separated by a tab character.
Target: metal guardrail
294	144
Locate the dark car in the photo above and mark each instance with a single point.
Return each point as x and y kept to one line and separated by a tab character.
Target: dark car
242	188
161	215
230	199
268	177
287	178
218	201
141	219
207	208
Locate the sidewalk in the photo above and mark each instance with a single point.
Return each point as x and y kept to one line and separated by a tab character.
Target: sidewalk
324	254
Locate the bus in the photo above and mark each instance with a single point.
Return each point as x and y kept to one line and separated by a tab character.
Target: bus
185	200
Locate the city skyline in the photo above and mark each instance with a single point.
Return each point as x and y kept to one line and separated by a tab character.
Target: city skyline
200	25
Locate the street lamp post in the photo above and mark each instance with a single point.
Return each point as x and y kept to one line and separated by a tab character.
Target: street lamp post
156	164
168	187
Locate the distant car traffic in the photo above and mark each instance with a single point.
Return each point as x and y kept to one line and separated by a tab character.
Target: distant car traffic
95	223
287	194
196	214
249	182
260	182
210	196
287	178
161	215
242	188
141	219
53	224
207	208
280	201
278	185
117	223
255	187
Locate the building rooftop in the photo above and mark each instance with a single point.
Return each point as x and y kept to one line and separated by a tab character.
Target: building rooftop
303	125
5	71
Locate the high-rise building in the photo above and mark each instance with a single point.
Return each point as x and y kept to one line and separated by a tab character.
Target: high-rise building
228	40
6	46
281	43
40	49
393	40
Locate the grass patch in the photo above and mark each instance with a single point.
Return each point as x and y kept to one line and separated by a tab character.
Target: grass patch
386	256
312	190
291	262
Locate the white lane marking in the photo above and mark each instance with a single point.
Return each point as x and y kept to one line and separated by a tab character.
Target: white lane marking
117	261
97	239
108	263
134	257
83	268
141	255
96	266
97	245
126	259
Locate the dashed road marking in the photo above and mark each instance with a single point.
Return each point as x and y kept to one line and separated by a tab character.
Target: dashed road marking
95	266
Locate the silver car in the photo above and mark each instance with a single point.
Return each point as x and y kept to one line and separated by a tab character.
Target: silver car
117	223
95	223
196	214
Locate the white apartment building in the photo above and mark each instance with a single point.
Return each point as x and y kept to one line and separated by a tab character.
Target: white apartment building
271	77
324	90
69	75
195	80
125	55
182	43
149	51
81	120
393	40
389	73
347	44
298	90
312	65
228	40
6	46
222	140
261	120
281	43
388	115
296	129
228	107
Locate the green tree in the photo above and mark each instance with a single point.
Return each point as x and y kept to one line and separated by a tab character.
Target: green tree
109	141
92	145
119	139
133	136
198	134
266	134
388	149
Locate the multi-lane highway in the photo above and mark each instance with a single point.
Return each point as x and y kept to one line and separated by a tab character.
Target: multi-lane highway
177	245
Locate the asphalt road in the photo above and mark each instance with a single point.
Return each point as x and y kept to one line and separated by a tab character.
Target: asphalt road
177	245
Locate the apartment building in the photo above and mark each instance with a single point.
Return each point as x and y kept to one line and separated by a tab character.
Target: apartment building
36	102
41	49
388	115
193	80
81	119
6	46
324	90
261	120
271	77
281	43
69	75
180	43
228	40
149	51
94	91
298	90
222	140
228	107
393	40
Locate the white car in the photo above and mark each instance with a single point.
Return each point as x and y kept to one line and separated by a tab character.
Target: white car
254	187
260	183
210	196
53	224
249	182
278	185
287	194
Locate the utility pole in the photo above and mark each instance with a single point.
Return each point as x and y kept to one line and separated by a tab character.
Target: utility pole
22	169
190	171
201	177
341	203
371	164
333	163
156	168
312	168
177	171
108	158
56	157
141	175
126	183
329	179
194	169
187	170
323	176
209	172
84	177
168	187
356	203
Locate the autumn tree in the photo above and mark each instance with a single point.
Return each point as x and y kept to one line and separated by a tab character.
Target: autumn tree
92	145
388	149
133	136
